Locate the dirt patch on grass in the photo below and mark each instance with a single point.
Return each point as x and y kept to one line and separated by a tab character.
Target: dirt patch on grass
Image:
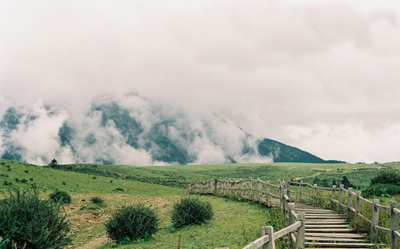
87	225
95	243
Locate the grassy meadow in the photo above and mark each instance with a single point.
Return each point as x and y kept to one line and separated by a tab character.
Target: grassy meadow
234	225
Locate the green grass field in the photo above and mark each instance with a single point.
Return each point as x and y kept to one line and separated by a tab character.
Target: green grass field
235	224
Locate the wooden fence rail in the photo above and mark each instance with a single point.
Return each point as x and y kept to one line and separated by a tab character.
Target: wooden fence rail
263	192
356	208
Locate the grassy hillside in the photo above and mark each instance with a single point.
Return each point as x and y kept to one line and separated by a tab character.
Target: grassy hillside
48	180
235	223
358	174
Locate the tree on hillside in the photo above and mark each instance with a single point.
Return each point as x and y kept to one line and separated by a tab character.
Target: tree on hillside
53	163
346	182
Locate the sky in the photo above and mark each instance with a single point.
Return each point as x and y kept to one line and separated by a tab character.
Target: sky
322	76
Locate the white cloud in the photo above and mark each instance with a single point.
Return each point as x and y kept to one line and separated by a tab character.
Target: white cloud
267	65
38	133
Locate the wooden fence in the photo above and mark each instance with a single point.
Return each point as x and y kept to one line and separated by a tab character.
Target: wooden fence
255	190
356	208
364	213
263	192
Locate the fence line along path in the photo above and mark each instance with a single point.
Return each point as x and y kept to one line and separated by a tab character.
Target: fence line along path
307	225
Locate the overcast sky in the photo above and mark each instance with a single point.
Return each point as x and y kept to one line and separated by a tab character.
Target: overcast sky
323	76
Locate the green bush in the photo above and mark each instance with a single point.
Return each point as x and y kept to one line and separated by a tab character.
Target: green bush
61	196
386	177
119	190
131	223
28	222
381	190
97	200
191	211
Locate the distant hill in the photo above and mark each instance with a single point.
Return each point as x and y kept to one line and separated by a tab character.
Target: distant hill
134	132
284	153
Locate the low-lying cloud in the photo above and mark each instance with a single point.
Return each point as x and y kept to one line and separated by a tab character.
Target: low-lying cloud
301	73
131	130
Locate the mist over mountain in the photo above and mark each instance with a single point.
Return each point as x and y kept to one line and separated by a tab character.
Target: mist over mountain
132	130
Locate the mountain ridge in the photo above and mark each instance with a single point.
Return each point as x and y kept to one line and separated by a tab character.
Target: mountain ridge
135	131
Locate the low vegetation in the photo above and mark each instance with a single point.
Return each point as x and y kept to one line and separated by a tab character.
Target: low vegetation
97	200
97	192
61	196
385	183
132	223
26	221
190	211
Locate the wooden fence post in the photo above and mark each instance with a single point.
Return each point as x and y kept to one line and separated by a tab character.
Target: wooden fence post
349	203
394	225
283	199
228	188
314	200
225	187
340	209
241	188
374	221
281	194
259	189
358	209
215	186
301	232
269	230
288	188
333	196
268	193
251	192
301	191
235	183
290	220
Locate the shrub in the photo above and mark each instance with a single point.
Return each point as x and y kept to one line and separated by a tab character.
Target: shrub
96	203
130	223
28	222
386	177
7	183
381	190
97	200
191	211
61	196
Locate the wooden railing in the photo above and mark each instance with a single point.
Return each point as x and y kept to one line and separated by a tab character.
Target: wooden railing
356	208
255	190
295	229
260	191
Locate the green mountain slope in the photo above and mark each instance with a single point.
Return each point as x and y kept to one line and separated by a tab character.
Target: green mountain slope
284	153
